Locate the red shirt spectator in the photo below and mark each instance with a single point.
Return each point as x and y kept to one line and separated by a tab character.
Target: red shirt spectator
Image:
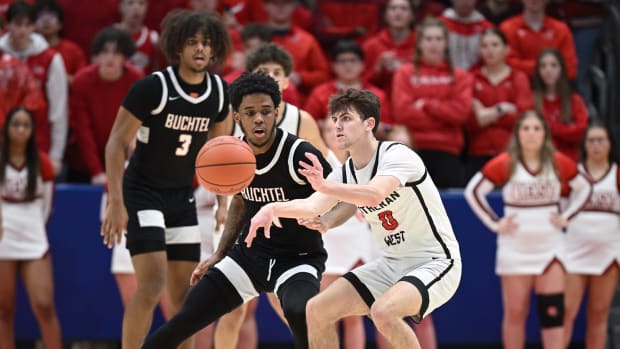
492	139
436	124
526	43
50	19
91	120
333	25
83	20
566	136
18	87
391	47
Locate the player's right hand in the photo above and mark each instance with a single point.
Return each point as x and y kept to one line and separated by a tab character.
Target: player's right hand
202	268
262	219
114	223
507	225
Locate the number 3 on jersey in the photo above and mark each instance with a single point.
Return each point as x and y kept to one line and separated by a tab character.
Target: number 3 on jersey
387	220
185	141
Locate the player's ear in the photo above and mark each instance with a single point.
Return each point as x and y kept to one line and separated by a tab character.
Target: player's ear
370	122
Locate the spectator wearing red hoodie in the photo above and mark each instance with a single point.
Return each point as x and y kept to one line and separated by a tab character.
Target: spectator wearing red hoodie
108	79
500	95
465	25
391	47
311	67
147	55
531	32
50	19
347	65
563	109
18	87
48	69
83	19
432	98
333	25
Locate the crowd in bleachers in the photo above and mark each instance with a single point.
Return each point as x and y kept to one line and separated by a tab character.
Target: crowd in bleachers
444	91
453	77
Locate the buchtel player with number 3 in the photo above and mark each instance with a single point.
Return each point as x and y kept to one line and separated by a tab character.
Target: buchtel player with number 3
170	113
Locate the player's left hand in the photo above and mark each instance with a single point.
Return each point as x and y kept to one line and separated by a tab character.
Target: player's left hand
313	173
313	223
262	219
558	221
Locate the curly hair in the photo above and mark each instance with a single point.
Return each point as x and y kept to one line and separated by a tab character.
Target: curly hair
179	25
364	102
250	83
269	53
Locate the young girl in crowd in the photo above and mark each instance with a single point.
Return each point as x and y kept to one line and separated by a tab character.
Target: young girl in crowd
26	186
564	110
593	242
533	177
500	94
431	98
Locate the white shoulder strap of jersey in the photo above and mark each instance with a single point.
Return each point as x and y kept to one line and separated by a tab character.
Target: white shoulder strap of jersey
291	165
164	93
220	90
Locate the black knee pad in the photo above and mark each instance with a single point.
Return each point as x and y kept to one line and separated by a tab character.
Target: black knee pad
294	294
550	310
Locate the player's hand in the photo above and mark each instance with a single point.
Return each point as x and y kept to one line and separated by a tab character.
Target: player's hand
313	223
56	166
99	179
262	219
507	225
313	173
558	221
202	268
114	223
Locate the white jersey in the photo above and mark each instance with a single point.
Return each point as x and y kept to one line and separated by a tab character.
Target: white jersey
411	222
593	237
349	243
290	122
23	221
531	197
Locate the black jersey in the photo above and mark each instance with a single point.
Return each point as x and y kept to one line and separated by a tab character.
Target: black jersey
277	179
175	119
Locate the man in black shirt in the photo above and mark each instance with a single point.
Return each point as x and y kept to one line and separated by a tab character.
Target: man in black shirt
291	262
169	114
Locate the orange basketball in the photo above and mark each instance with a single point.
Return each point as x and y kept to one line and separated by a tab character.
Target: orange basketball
225	165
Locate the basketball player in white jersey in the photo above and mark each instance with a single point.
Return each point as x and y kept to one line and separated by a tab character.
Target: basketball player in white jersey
276	62
533	178
593	240
420	266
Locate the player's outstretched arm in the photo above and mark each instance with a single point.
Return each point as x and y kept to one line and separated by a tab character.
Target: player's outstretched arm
370	194
309	207
123	132
337	216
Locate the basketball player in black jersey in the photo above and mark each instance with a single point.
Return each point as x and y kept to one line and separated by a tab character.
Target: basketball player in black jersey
169	113
289	264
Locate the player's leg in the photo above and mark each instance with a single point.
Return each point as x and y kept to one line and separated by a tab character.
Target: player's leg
228	326
177	285
387	312
294	293
339	300
354	336
516	291
150	273
601	294
213	296
8	289
247	335
127	286
425	331
575	289
39	284
550	304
